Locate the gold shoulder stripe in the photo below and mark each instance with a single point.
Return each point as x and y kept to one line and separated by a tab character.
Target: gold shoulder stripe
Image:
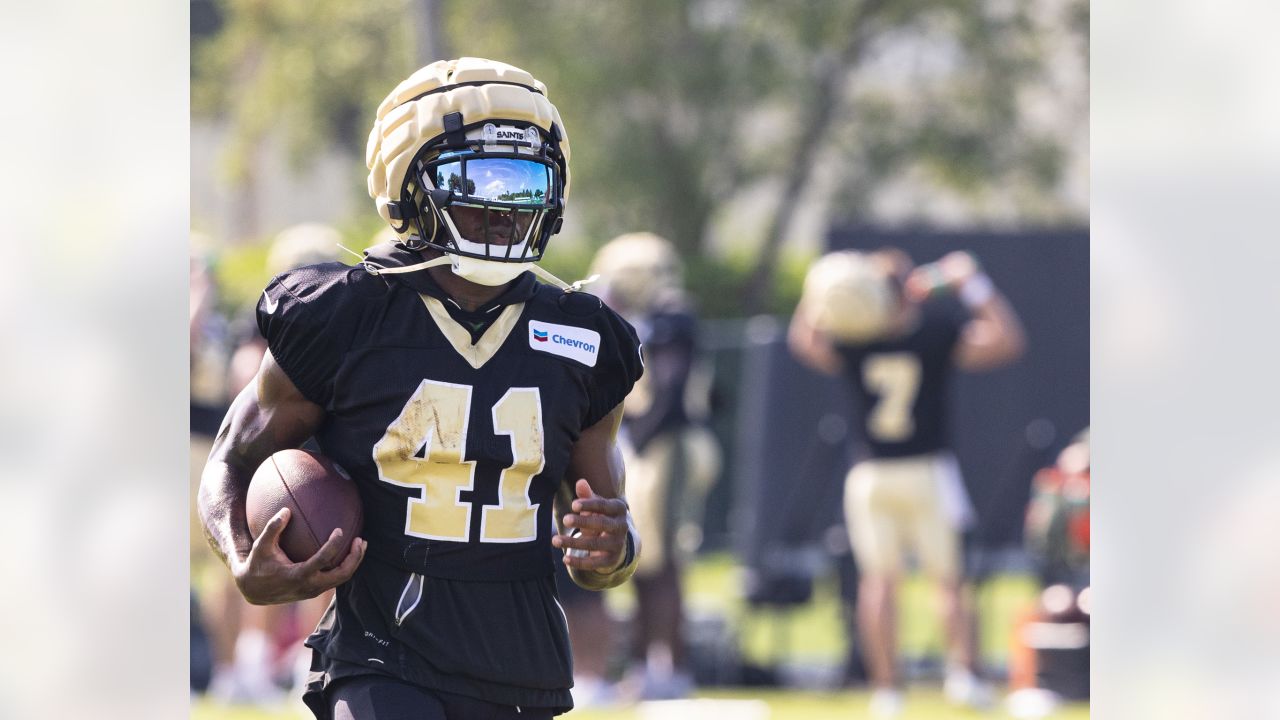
492	339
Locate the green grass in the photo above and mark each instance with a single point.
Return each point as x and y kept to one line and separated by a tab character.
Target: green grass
814	635
795	705
206	710
922	704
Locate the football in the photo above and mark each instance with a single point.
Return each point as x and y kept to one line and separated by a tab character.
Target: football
320	497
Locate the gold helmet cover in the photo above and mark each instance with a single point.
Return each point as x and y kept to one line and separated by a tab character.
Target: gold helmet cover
637	268
468	156
303	244
849	296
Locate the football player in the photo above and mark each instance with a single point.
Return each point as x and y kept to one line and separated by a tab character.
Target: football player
467	400
672	459
891	332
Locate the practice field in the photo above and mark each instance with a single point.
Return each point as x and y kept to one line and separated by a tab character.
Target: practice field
922	704
813	637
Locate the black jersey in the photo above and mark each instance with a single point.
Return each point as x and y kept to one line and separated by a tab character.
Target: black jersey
657	404
901	385
457	428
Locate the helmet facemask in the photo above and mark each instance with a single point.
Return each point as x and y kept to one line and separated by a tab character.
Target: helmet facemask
489	126
490	194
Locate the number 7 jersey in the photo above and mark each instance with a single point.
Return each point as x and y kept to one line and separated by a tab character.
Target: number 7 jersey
456	426
901	385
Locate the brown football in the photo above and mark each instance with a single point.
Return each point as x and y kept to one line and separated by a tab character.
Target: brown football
320	497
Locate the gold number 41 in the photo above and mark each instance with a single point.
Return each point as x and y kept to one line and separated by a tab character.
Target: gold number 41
423	449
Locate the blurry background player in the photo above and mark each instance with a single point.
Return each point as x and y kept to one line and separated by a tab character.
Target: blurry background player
1057	529
1049	658
255	648
671	457
895	333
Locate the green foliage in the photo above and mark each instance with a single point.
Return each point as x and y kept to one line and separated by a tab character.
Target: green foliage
242	271
568	263
717	284
815	635
673	107
714	283
962	125
242	274
314	71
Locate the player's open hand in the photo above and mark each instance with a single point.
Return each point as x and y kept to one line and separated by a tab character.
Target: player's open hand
601	543
266	576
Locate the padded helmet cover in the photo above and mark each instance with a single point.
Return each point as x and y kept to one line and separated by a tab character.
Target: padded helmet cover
412	116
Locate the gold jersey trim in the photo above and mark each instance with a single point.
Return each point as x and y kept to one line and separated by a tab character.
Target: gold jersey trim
482	351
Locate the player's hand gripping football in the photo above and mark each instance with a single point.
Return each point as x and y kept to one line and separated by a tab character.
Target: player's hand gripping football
602	544
266	576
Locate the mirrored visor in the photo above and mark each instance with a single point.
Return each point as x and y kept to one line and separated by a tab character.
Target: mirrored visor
494	179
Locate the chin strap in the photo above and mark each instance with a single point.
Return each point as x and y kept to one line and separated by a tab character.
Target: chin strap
376	269
349	250
576	286
545	275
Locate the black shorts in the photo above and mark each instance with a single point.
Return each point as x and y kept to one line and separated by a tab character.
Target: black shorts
379	697
501	642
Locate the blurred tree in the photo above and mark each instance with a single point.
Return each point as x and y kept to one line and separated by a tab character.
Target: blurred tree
431	45
310	71
675	107
948	99
655	96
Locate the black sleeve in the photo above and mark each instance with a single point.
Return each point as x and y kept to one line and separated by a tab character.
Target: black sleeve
958	316
669	357
944	319
305	316
618	366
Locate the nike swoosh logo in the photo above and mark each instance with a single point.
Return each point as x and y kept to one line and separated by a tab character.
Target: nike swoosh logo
270	303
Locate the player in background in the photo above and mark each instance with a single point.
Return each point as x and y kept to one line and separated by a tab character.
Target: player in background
672	458
245	636
474	406
896	334
1057	539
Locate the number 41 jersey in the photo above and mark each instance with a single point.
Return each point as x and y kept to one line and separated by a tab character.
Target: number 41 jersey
456	426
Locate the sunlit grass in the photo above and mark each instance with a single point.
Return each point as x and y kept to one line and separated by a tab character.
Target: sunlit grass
813	634
922	704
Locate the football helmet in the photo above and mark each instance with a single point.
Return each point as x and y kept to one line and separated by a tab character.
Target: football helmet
637	269
303	244
469	157
850	297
